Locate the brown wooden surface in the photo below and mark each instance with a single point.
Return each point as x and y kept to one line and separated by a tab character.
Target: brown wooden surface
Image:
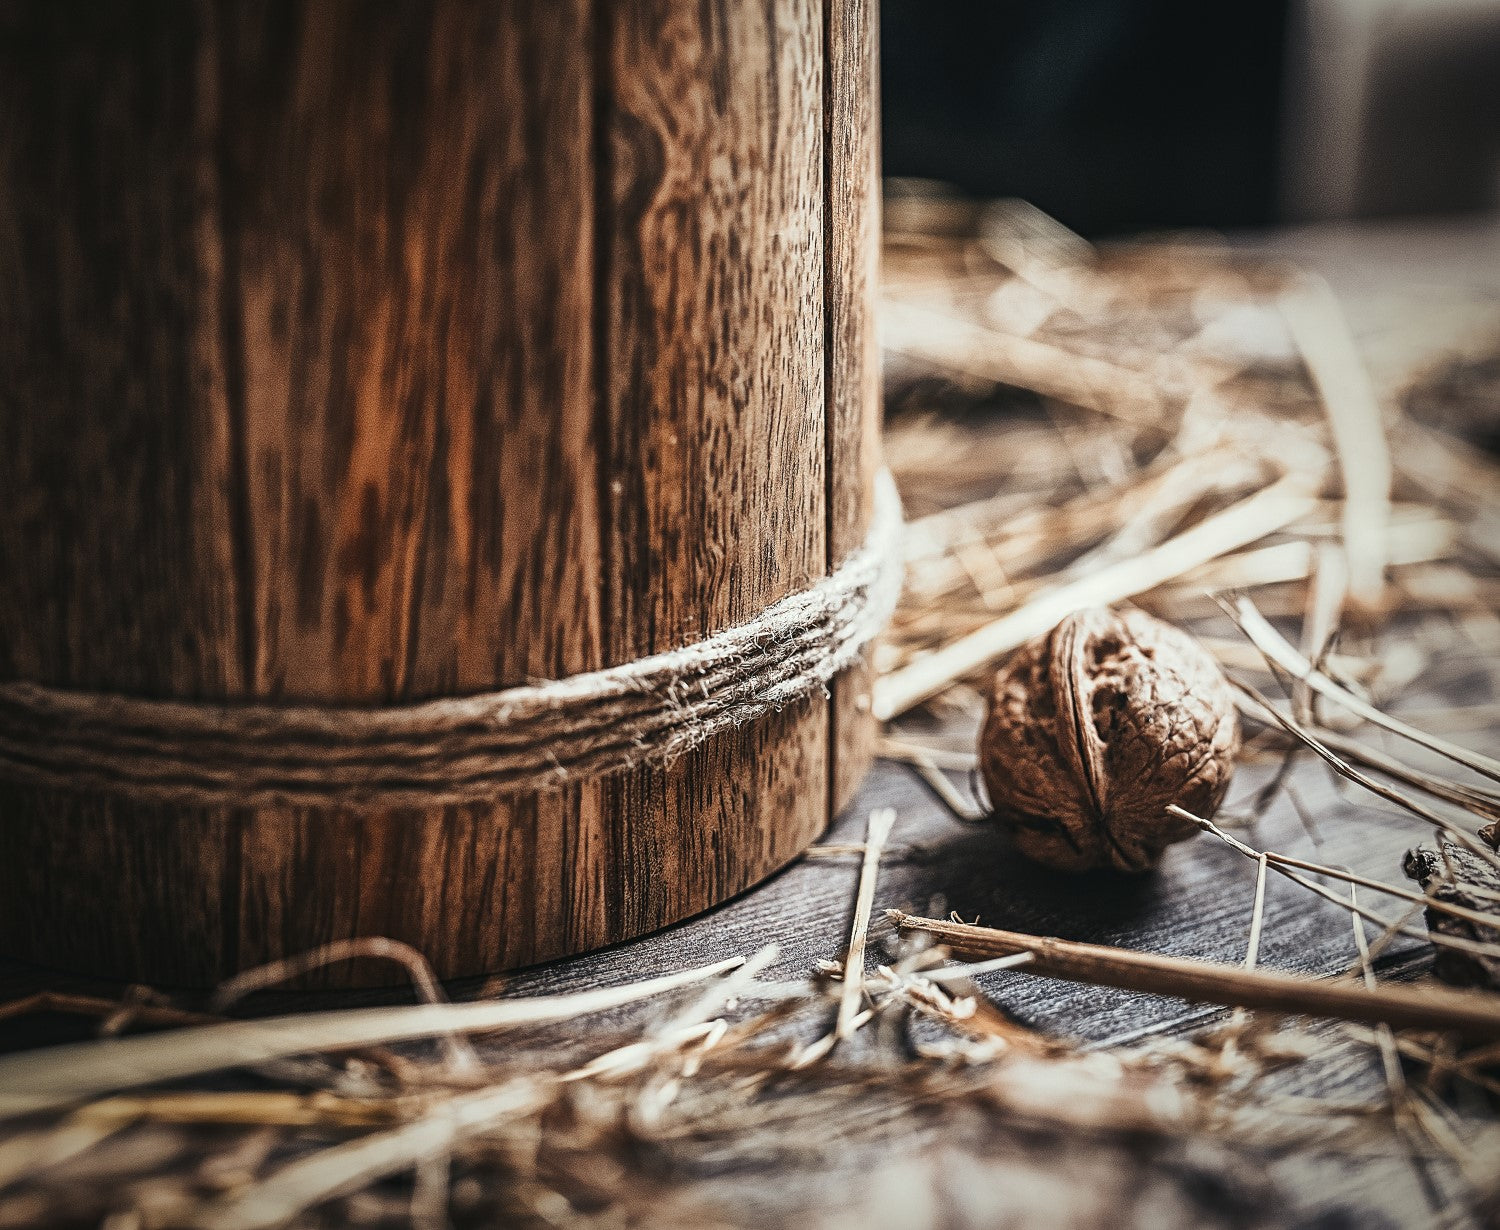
381	354
120	549
852	355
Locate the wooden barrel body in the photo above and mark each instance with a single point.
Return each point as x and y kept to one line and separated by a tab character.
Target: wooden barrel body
369	353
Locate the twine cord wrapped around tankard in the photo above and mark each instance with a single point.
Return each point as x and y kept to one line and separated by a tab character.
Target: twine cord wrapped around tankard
461	749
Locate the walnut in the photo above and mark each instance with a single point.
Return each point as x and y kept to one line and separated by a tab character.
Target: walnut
1094	728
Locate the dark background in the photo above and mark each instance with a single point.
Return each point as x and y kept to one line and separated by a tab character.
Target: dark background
1109	114
1126	115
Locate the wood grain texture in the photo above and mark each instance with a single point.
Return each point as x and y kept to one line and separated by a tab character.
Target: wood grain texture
118	528
116	384
712	343
438	510
374	354
852	351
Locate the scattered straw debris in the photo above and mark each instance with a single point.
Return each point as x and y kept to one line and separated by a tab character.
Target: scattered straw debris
684	1122
1225	451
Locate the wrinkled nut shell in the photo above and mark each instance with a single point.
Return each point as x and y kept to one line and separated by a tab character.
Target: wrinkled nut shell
1094	728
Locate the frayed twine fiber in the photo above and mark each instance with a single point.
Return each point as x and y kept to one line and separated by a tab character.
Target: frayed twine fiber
461	749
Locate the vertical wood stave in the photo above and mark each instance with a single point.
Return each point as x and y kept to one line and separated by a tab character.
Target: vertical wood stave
118	567
713	383
440	512
852	152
